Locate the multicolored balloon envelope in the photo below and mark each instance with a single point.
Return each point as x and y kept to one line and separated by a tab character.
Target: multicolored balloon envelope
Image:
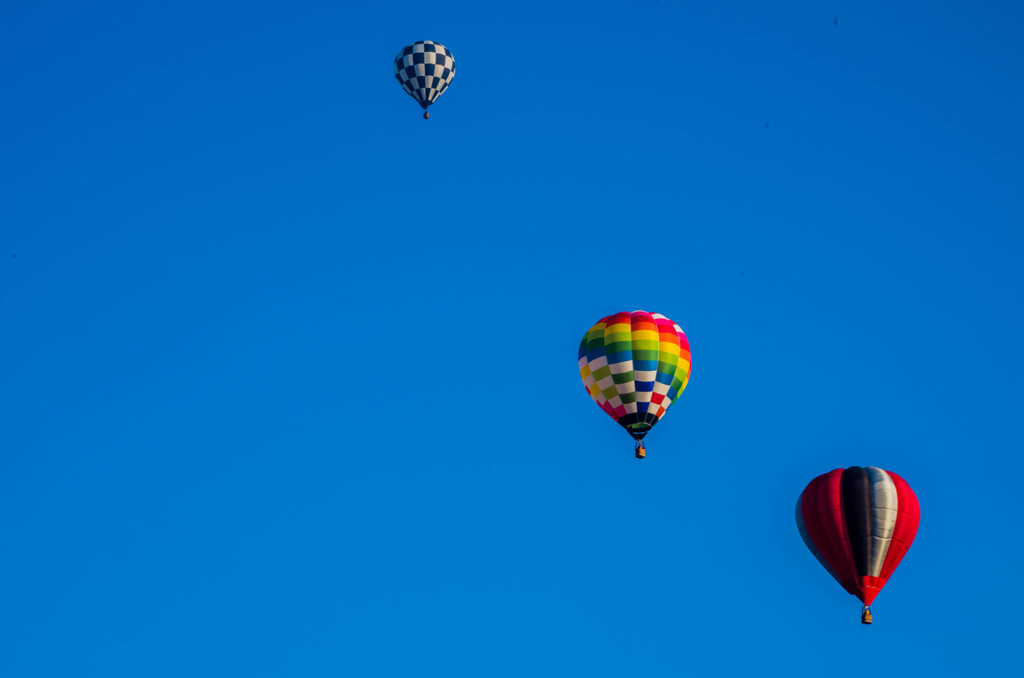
859	523
634	366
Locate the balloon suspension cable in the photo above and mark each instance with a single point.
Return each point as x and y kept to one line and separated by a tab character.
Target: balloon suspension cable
865	615
426	115
640	450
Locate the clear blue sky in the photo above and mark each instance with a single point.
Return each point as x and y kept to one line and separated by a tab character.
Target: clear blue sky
289	380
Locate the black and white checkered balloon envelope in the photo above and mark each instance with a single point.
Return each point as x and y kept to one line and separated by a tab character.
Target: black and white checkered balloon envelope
424	69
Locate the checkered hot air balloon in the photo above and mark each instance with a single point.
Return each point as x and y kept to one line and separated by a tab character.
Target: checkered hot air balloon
424	69
634	366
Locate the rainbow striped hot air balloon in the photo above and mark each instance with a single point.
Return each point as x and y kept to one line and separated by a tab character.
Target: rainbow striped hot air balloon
634	365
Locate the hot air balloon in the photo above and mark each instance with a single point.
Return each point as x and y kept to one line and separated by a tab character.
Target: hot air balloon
424	69
634	365
859	523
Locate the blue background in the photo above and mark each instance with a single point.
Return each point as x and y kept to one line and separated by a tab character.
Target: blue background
289	381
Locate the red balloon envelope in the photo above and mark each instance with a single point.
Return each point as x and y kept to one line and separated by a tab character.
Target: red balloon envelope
859	523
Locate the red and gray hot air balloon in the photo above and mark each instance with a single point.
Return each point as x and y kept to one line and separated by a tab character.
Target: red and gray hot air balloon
859	523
